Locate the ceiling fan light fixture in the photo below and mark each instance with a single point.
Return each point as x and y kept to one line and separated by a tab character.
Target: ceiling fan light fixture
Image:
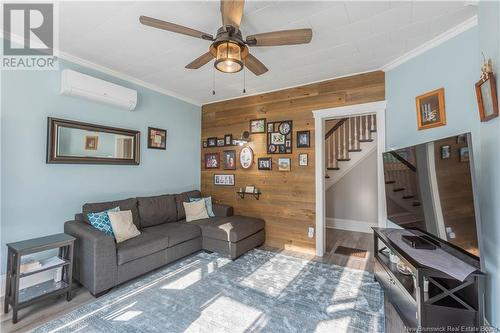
228	58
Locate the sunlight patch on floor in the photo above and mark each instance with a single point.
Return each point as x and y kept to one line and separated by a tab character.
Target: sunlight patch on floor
184	281
222	310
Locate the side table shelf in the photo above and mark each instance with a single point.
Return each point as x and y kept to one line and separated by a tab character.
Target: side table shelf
256	195
20	298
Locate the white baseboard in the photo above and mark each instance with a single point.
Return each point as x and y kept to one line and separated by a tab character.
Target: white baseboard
29	281
351	225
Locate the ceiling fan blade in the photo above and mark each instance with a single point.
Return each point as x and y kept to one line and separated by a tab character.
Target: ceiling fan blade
232	12
155	23
200	61
284	37
254	65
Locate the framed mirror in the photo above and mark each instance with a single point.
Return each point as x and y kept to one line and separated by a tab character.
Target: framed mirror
74	142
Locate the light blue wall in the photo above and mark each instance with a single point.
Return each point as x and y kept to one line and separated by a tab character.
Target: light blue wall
455	65
489	44
37	198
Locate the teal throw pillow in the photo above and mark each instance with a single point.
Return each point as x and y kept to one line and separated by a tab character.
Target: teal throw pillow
101	221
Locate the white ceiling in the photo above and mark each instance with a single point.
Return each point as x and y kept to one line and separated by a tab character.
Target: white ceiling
348	37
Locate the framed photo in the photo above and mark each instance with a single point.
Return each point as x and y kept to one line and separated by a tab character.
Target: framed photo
303	159
212	161
265	163
464	154
224	180
212	142
487	99
157	138
431	110
91	142
249	189
258	126
205	144
279	137
461	139
220	142
228	140
445	152
303	139
246	157
229	159
284	164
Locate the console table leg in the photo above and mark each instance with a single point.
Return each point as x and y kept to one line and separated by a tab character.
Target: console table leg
8	275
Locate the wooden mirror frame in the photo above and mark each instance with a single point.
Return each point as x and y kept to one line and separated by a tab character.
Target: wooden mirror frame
52	158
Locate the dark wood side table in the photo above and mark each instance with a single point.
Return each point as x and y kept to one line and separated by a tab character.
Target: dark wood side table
21	298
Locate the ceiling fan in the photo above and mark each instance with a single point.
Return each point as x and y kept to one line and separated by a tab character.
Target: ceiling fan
228	48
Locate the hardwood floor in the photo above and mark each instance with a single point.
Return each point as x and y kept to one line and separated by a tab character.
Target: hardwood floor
38	314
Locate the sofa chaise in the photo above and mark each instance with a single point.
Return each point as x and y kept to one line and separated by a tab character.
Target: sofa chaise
100	263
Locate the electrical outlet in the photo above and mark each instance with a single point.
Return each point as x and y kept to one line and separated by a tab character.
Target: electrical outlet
310	232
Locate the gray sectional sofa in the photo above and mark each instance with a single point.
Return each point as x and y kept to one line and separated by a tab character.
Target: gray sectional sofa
101	263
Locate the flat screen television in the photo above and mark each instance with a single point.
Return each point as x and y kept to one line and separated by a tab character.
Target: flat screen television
430	187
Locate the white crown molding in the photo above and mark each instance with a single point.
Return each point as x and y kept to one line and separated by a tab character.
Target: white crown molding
440	39
106	70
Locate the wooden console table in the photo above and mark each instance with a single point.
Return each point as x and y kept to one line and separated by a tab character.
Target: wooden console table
27	296
447	303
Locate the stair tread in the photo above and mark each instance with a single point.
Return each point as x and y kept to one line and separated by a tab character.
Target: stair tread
365	140
398	189
332	168
390	182
416	204
408	196
343	159
354	150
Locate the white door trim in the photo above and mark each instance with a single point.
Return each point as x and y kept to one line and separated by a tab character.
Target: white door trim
320	116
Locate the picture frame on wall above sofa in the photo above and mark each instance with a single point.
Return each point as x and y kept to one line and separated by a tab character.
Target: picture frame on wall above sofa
224	180
211	142
284	164
246	157
265	163
228	140
258	126
303	139
487	99
157	138
229	159
211	160
279	137
303	159
431	109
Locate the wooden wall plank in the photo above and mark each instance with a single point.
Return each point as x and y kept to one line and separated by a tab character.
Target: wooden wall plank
287	203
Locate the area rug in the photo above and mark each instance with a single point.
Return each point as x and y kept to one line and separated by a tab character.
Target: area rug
261	291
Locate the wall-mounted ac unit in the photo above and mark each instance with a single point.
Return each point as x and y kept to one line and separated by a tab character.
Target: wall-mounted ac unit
77	84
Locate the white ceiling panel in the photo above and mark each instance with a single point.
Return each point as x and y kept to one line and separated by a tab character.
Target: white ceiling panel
348	37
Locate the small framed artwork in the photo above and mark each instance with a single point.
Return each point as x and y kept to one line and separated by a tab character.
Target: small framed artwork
270	127
284	164
303	139
157	138
487	100
258	126
249	189
431	110
464	154
220	142
303	159
235	142
91	142
224	180
265	163
228	140
212	161
212	142
445	152
229	159
246	157
277	139
461	139
205	144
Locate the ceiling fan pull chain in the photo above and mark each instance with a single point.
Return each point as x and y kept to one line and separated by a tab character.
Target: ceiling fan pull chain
213	81
244	77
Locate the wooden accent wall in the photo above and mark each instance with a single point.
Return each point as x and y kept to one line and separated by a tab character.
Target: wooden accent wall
287	203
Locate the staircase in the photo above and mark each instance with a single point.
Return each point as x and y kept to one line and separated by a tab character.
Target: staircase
401	189
347	143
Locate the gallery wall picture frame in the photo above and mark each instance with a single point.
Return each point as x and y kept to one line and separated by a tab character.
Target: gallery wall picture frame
220	143
157	138
205	144
303	139
258	126
212	161
212	142
246	157
265	163
445	152
284	164
224	179
431	109
487	99
228	140
463	153
303	159
280	137
229	160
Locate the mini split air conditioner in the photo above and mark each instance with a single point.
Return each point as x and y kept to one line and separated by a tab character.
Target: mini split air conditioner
77	84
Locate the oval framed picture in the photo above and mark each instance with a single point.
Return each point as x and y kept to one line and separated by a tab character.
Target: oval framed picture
246	157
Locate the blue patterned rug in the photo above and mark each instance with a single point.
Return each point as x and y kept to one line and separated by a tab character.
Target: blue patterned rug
259	292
